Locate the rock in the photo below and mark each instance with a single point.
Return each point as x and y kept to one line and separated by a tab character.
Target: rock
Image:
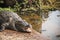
13	35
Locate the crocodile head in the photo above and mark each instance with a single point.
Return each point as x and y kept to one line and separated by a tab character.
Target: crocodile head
24	26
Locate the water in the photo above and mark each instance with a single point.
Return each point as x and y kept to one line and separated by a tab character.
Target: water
51	27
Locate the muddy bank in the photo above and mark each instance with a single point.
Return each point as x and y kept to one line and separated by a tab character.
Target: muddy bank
13	35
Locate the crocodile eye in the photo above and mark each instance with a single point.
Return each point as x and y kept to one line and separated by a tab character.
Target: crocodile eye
27	26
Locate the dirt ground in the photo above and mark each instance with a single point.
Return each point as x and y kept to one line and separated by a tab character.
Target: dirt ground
13	35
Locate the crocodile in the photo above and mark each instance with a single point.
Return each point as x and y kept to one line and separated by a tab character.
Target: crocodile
11	20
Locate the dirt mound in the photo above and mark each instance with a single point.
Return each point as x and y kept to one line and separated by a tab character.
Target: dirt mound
13	35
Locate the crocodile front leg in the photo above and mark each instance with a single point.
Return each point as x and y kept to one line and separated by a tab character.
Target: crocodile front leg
12	24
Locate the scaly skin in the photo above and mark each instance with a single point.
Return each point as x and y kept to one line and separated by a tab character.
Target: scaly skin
13	21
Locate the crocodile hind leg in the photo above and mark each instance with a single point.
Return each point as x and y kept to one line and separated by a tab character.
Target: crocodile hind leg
3	26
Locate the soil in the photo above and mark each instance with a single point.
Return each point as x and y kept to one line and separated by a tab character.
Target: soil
14	35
